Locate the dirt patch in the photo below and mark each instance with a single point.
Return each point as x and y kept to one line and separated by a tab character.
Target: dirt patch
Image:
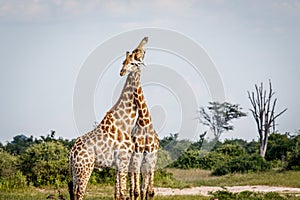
206	191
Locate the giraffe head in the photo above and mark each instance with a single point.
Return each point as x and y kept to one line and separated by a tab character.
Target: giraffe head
134	60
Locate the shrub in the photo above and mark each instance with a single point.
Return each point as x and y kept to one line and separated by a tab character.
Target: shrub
7	164
104	177
232	150
247	195
10	177
16	181
46	163
293	157
212	160
189	159
163	160
199	159
243	164
163	178
278	146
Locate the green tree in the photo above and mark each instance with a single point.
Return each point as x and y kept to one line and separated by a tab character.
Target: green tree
293	157
278	146
173	146
8	164
218	116
167	141
19	144
10	176
45	163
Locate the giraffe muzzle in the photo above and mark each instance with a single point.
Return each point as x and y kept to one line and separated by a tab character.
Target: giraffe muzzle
122	72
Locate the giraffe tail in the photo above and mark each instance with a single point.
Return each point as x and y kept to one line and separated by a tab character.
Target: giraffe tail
71	192
70	184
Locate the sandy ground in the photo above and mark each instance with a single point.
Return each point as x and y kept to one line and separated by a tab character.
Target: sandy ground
206	191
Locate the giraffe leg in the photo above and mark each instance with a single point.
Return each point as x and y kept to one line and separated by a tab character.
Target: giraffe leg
131	181
145	178
117	186
134	174
122	166
82	178
152	162
148	167
137	167
151	185
145	184
123	181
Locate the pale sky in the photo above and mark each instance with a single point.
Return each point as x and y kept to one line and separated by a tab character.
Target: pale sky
44	45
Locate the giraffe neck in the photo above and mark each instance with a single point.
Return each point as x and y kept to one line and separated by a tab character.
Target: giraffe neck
124	110
144	118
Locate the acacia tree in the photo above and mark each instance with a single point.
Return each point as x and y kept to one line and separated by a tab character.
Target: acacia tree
218	117
263	111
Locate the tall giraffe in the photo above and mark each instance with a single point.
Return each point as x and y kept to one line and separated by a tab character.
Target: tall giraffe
146	144
110	142
144	157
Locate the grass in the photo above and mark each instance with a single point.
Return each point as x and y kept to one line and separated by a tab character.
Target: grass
93	192
197	177
182	178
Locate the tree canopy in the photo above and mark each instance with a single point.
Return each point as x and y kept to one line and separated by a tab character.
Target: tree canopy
218	116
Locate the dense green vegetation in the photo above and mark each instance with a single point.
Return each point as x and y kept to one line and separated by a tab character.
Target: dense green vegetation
27	163
235	155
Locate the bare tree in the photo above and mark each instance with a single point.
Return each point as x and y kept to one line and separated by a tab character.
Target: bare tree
263	111
219	116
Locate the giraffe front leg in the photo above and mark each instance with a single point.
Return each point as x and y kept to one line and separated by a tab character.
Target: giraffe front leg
148	168
145	178
123	181
135	175
151	185
122	166
145	184
131	183
81	182
152	159
117	186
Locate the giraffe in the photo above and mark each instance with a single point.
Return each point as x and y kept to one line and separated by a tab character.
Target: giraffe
146	144
109	144
144	157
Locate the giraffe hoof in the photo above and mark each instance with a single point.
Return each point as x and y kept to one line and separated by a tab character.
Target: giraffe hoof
136	194
151	194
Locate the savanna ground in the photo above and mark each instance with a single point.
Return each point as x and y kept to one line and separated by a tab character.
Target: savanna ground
184	179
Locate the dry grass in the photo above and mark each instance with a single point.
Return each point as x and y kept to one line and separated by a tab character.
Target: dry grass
197	177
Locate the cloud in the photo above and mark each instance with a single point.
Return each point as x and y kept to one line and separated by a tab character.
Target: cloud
58	9
23	10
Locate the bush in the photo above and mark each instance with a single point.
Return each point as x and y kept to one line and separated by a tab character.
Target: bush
163	159
163	178
16	181
199	159
189	159
232	150
105	177
46	163
247	195
293	157
278	146
242	164
7	164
